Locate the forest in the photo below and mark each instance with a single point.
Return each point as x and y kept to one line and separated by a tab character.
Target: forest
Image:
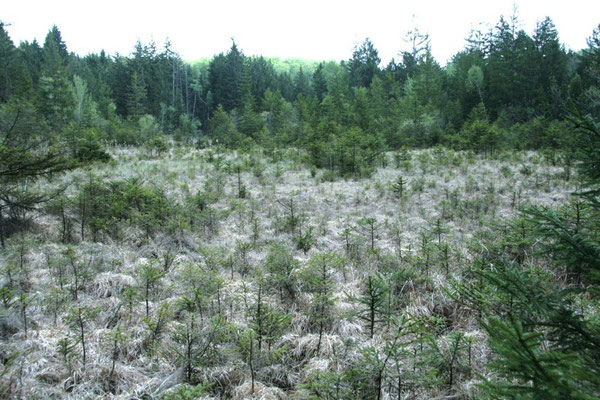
246	227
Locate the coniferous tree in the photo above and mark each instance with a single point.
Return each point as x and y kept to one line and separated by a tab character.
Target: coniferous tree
318	280
373	302
14	77
225	77
319	83
364	64
55	100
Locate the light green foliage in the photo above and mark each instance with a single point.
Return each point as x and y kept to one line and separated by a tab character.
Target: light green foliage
66	349
370	226
149	275
80	89
279	117
317	279
186	392
156	327
137	96
115	341
281	267
222	128
148	127
78	318
475	78
373	302
305	240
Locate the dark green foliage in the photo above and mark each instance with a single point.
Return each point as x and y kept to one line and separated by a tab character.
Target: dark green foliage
398	187
156	327
532	372
66	348
157	146
357	151
480	135
305	240
545	347
364	64
222	128
149	275
449	359
317	279
15	82
103	206
364	377
28	152
369	226
373	302
266	321
225	77
514	77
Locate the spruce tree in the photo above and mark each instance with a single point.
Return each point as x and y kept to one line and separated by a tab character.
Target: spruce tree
373	302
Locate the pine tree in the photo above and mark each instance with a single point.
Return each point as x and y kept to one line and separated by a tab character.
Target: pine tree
317	279
14	77
78	318
373	302
55	98
364	64
398	187
319	83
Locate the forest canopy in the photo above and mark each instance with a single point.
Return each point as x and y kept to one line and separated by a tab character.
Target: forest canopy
506	89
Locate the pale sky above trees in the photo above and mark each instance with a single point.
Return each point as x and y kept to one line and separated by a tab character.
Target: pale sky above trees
311	29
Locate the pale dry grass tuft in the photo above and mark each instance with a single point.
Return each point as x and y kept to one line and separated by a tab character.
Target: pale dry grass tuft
261	392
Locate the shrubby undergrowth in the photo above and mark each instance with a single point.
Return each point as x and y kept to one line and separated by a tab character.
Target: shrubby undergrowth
168	277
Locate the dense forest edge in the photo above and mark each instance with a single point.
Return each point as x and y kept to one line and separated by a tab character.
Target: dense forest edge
245	227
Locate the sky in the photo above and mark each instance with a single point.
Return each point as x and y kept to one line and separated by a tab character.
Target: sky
309	29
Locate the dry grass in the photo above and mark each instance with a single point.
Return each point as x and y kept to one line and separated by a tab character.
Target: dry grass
465	194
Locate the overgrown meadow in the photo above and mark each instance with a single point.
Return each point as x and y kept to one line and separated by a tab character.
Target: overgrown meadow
232	274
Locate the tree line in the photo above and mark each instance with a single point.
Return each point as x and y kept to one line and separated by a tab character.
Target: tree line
505	88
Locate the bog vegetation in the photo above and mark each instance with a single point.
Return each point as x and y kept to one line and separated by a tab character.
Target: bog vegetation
249	228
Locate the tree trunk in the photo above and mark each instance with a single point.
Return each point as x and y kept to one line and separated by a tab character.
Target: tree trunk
2	232
114	359
252	365
147	293
372	320
83	211
82	336
24	311
320	335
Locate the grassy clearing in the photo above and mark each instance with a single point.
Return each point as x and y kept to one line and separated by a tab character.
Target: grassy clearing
143	340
